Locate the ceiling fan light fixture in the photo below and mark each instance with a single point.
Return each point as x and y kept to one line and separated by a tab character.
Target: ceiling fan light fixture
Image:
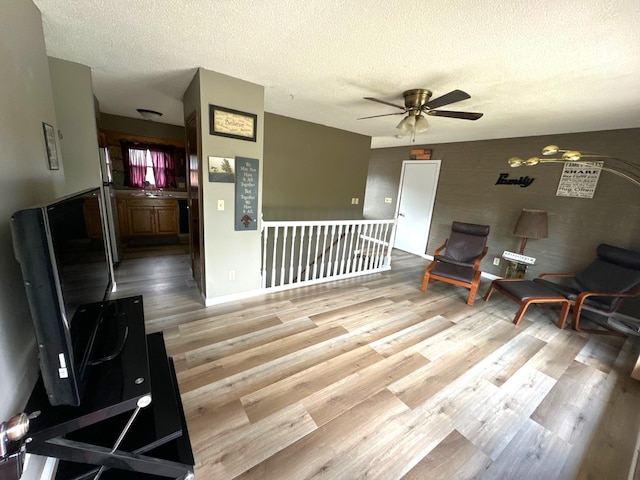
408	124
421	124
550	150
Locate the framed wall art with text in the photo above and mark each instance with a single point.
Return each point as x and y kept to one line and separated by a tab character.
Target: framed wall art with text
227	122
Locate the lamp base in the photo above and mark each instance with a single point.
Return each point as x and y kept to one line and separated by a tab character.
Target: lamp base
515	270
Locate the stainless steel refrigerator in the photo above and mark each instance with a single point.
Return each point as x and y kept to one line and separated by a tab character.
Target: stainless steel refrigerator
110	209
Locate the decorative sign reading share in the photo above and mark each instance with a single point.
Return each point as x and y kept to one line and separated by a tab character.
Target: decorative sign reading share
579	179
246	212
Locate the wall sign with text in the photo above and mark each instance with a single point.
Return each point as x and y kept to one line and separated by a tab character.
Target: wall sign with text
246	212
524	182
579	179
227	122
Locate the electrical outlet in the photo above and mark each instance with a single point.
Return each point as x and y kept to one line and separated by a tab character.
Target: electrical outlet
387	200
496	260
232	274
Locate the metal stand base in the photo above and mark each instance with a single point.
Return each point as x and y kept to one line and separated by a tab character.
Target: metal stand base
131	419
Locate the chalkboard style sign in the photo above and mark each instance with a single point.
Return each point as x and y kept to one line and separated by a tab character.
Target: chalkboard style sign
246	194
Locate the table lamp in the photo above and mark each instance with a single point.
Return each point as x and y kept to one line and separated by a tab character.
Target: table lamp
531	224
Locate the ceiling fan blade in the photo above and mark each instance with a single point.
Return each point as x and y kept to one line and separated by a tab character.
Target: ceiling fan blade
376	116
384	103
447	98
448	113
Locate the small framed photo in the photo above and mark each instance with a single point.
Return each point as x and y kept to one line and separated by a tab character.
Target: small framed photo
50	142
230	123
221	170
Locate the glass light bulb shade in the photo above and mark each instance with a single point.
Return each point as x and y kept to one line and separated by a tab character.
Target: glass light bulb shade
550	150
530	162
515	162
572	155
408	124
421	124
411	123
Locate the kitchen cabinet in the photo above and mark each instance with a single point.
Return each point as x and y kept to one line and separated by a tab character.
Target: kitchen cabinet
152	216
92	217
123	217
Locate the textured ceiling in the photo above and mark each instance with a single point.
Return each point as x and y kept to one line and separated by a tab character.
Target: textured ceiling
532	67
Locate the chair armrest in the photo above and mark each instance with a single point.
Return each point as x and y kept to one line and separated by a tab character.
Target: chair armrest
584	295
476	265
441	248
543	275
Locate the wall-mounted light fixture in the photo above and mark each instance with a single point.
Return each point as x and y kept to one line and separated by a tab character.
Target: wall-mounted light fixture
578	157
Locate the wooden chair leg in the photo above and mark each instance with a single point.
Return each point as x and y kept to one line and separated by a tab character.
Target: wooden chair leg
487	295
562	319
520	313
472	294
425	281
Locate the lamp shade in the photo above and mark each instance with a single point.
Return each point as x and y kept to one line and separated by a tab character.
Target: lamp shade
531	224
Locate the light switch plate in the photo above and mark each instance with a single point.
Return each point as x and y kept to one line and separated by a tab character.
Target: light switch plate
220	205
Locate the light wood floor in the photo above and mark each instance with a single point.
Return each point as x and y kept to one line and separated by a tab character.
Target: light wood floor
371	378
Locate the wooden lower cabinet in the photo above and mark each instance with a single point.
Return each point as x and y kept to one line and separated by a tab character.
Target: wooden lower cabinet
92	217
149	216
123	217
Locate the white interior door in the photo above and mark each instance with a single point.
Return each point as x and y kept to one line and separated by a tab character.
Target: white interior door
416	196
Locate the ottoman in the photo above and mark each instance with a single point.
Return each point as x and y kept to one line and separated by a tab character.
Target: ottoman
525	292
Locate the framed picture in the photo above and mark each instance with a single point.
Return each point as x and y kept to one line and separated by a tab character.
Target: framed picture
232	123
221	170
50	142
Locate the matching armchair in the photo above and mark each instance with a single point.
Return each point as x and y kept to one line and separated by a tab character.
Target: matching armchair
601	287
458	260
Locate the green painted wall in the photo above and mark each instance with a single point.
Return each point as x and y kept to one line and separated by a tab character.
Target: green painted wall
311	171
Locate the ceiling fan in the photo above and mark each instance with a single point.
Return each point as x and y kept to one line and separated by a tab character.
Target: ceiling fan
417	104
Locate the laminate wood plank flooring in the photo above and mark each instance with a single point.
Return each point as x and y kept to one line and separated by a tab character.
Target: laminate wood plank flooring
371	378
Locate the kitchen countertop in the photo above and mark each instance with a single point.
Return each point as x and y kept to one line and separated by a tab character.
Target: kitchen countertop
179	194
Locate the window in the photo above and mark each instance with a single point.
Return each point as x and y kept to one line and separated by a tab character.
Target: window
148	165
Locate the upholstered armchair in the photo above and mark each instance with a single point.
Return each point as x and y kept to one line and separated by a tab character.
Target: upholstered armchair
601	287
458	260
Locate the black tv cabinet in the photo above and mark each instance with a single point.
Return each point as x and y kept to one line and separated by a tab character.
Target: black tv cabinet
136	392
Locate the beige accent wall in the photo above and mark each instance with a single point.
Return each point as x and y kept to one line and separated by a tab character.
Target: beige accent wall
467	192
311	171
75	114
26	100
226	250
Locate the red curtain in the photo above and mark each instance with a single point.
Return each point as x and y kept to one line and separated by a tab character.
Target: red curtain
163	169
137	167
135	157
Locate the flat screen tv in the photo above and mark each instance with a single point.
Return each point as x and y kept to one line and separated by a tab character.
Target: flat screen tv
63	257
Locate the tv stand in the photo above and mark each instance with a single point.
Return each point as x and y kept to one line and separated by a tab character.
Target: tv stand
130	421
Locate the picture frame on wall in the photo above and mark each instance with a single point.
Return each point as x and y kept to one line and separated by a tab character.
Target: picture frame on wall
230	123
50	143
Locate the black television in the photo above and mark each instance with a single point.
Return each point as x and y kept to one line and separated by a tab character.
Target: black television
62	253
